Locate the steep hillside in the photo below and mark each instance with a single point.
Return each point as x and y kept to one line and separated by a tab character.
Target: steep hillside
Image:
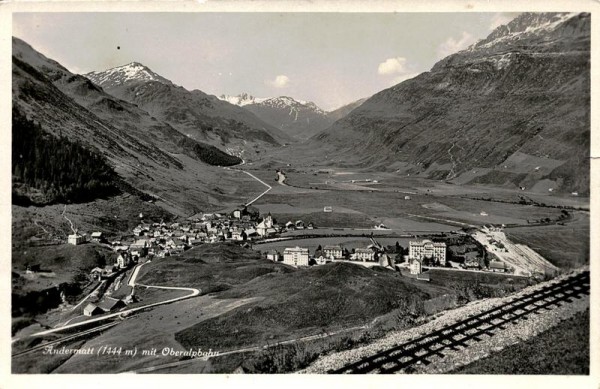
511	110
149	155
47	169
298	119
196	114
344	110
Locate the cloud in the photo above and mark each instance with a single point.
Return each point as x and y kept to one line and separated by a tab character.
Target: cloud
451	45
398	68
392	66
281	81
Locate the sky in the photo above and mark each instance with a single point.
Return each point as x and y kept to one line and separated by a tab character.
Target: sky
329	58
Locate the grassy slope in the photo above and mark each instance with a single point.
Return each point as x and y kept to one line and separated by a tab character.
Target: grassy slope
115	216
26	364
564	349
211	268
565	246
67	261
299	302
306	302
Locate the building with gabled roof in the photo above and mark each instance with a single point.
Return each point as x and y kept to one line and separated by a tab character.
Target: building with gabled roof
92	310
76	239
365	255
415	265
333	251
498	266
97	236
273	255
110	304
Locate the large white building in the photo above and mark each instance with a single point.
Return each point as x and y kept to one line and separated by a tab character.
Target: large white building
365	255
333	251
428	249
295	256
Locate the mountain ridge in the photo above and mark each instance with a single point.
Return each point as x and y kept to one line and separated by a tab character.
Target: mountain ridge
202	117
297	118
511	110
133	71
151	156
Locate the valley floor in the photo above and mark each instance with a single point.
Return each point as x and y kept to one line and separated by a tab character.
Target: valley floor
268	317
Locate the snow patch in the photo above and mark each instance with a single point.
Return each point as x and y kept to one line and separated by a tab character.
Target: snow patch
242	99
131	72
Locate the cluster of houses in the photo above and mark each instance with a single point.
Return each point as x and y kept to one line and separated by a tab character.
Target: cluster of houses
165	239
299	256
418	252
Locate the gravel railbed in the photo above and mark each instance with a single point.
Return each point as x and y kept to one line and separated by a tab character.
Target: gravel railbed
514	333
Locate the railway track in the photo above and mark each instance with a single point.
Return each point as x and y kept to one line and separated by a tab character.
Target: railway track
425	349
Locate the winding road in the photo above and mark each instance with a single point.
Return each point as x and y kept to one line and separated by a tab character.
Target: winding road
262	182
193	293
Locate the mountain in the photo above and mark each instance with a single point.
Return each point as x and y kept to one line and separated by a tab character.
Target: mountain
511	110
200	116
344	110
134	71
150	156
242	99
298	119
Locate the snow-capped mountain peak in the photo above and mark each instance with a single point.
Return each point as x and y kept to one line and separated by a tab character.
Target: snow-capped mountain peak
525	25
284	102
288	102
131	72
242	99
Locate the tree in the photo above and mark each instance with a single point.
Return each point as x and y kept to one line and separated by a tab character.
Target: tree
62	170
346	253
399	258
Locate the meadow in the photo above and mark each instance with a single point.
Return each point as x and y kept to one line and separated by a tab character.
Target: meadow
564	349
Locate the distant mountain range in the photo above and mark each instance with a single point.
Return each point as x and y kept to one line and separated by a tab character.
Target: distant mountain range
149	154
196	114
298	118
154	134
242	99
511	110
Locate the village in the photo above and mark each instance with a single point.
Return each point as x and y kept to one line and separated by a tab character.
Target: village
245	226
160	240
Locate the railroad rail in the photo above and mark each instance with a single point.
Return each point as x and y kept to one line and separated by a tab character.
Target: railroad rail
450	337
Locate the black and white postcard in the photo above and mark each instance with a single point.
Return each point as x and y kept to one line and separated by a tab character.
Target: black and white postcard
197	189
